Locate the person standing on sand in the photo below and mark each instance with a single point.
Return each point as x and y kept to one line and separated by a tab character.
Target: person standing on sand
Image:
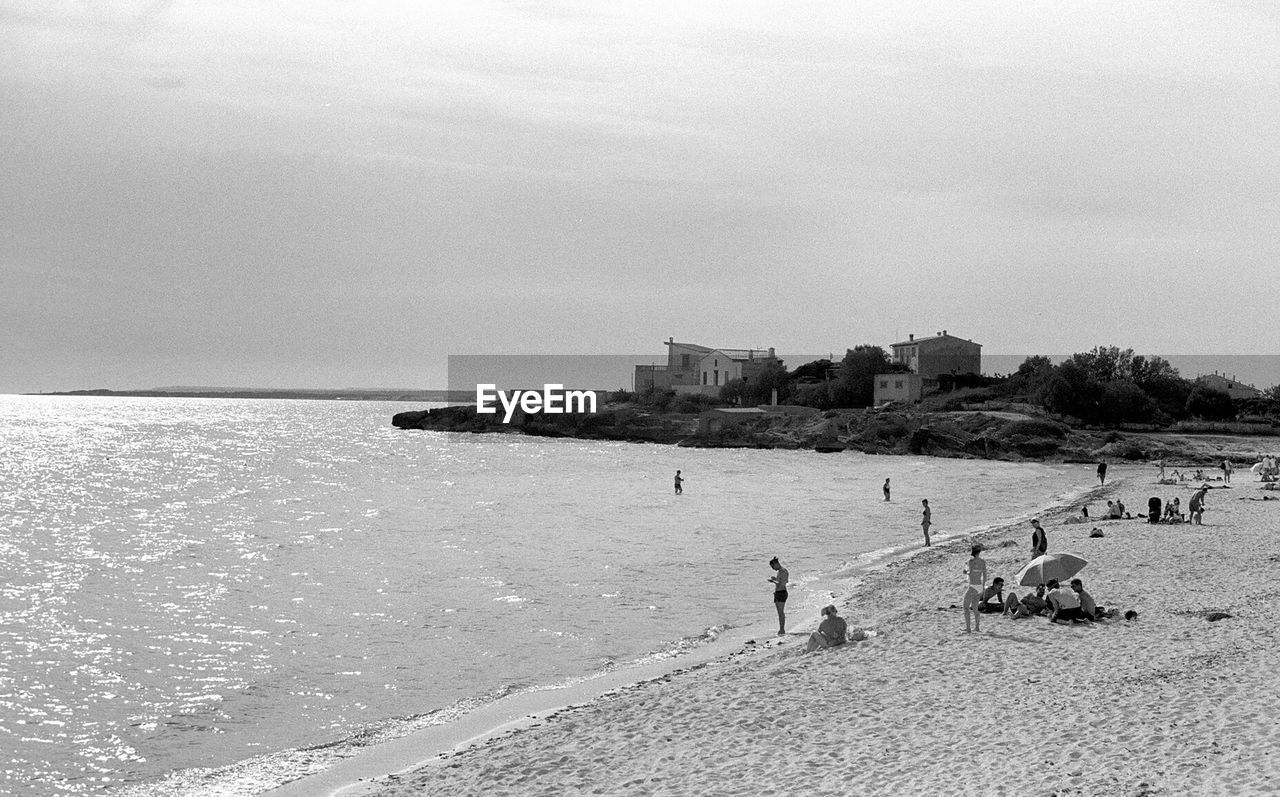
1039	540
780	593
977	571
886	489
679	484
1102	473
1196	507
1226	471
926	520
1161	464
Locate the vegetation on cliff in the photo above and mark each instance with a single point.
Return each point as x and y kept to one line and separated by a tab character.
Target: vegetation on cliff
1104	404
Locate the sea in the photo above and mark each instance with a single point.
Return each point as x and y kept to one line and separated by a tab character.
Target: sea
215	596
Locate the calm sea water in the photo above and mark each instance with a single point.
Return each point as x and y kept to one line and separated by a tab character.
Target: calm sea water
212	596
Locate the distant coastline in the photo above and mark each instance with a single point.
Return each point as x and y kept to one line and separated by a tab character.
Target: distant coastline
345	394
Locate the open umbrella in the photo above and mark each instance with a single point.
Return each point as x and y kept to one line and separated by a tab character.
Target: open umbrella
1061	566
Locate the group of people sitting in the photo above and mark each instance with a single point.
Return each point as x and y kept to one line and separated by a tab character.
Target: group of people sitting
1069	604
1115	511
1162	512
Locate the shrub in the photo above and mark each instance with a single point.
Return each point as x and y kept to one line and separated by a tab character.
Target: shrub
694	402
1033	427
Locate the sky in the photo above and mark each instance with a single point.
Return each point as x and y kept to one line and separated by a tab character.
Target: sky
323	194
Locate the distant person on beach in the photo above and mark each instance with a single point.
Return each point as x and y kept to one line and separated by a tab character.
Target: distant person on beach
1174	510
1226	471
679	484
1115	510
1102	473
1039	540
886	489
977	571
926	520
1065	603
831	631
1161	464
780	593
1084	511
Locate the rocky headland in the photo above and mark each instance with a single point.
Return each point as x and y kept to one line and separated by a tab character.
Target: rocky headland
1005	432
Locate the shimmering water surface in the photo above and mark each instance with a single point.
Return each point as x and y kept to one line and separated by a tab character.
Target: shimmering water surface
194	590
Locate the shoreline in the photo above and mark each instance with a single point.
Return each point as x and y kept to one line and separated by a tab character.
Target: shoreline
369	770
1168	704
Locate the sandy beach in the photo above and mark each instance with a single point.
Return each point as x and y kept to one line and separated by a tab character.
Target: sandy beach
1171	703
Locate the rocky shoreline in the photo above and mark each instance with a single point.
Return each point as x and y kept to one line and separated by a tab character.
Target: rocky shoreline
977	433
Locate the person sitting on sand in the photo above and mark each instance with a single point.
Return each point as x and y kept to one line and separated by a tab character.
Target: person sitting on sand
993	601
832	631
1031	603
1114	510
1087	603
1065	603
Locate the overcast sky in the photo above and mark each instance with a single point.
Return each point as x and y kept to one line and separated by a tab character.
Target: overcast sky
316	194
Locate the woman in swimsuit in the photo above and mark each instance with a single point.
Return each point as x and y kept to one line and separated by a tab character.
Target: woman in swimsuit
977	571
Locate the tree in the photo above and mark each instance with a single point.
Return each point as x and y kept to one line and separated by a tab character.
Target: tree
1031	376
1072	390
1123	401
813	394
759	389
855	386
1106	363
816	371
1209	404
1162	382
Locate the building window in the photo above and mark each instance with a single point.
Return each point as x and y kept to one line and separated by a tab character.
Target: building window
684	361
704	377
884	384
897	383
717	377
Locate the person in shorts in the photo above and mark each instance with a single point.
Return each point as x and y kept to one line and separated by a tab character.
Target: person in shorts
780	580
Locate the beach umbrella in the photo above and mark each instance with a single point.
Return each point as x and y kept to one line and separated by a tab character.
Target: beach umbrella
1061	566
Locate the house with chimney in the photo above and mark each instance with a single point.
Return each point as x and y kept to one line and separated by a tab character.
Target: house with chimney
693	368
928	358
